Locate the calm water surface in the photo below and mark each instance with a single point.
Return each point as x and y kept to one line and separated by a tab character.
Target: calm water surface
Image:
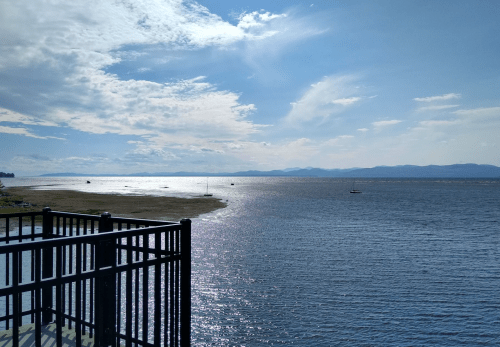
300	261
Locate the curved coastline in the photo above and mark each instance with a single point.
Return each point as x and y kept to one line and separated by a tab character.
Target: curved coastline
147	207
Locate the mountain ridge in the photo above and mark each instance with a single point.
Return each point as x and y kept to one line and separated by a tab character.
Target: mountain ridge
400	171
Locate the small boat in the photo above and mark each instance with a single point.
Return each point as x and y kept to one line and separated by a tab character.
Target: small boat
207	193
353	190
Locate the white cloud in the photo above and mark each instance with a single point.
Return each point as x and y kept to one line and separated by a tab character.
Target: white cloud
141	108
42	31
269	156
338	141
428	123
22	131
281	34
363	130
330	96
67	46
479	113
16	117
256	19
385	123
439	97
436	108
346	101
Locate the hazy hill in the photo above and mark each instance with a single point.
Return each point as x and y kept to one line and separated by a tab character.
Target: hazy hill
404	171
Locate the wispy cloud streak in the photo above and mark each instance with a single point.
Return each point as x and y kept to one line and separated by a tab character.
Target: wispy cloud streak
439	97
328	97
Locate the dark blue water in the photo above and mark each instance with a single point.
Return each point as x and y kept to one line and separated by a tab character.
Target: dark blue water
303	262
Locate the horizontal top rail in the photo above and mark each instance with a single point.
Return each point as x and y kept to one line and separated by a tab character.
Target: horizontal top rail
87	216
20	214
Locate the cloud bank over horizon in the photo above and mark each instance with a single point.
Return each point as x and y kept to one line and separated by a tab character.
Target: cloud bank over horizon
176	86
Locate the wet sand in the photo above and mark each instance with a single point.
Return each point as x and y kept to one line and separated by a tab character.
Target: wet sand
147	207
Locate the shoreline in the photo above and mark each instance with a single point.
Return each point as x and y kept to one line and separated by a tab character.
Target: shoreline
26	199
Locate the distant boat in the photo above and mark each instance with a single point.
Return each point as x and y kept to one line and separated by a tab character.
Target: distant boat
207	193
353	189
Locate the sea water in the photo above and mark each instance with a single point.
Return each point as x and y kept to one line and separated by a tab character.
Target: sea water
301	261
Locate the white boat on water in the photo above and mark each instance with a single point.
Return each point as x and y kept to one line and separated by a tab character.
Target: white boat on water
207	193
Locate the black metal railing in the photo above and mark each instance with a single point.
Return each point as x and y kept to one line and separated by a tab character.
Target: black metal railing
119	281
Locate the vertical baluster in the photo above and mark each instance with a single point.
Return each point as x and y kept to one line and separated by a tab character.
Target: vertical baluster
166	291
47	266
92	281
113	293
19	268
136	311
78	294
64	263
7	271
38	301
84	282
59	295
32	268
70	271
128	295
78	262
119	287
32	228
185	249
145	283
173	340
106	285
15	299
157	293
20	228
177	284
7	229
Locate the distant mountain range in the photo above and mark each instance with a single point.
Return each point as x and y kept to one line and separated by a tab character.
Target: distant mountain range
403	171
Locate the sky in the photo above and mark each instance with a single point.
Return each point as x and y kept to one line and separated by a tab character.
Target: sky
130	86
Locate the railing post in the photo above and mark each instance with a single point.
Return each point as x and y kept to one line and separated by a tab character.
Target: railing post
185	298
105	298
47	265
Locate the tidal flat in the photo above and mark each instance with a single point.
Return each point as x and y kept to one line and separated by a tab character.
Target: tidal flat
25	199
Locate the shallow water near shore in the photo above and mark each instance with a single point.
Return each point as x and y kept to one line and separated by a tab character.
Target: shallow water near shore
300	261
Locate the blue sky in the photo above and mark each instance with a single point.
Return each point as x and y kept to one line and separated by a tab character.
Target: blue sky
222	86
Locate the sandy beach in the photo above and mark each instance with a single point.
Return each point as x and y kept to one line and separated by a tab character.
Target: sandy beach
147	207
